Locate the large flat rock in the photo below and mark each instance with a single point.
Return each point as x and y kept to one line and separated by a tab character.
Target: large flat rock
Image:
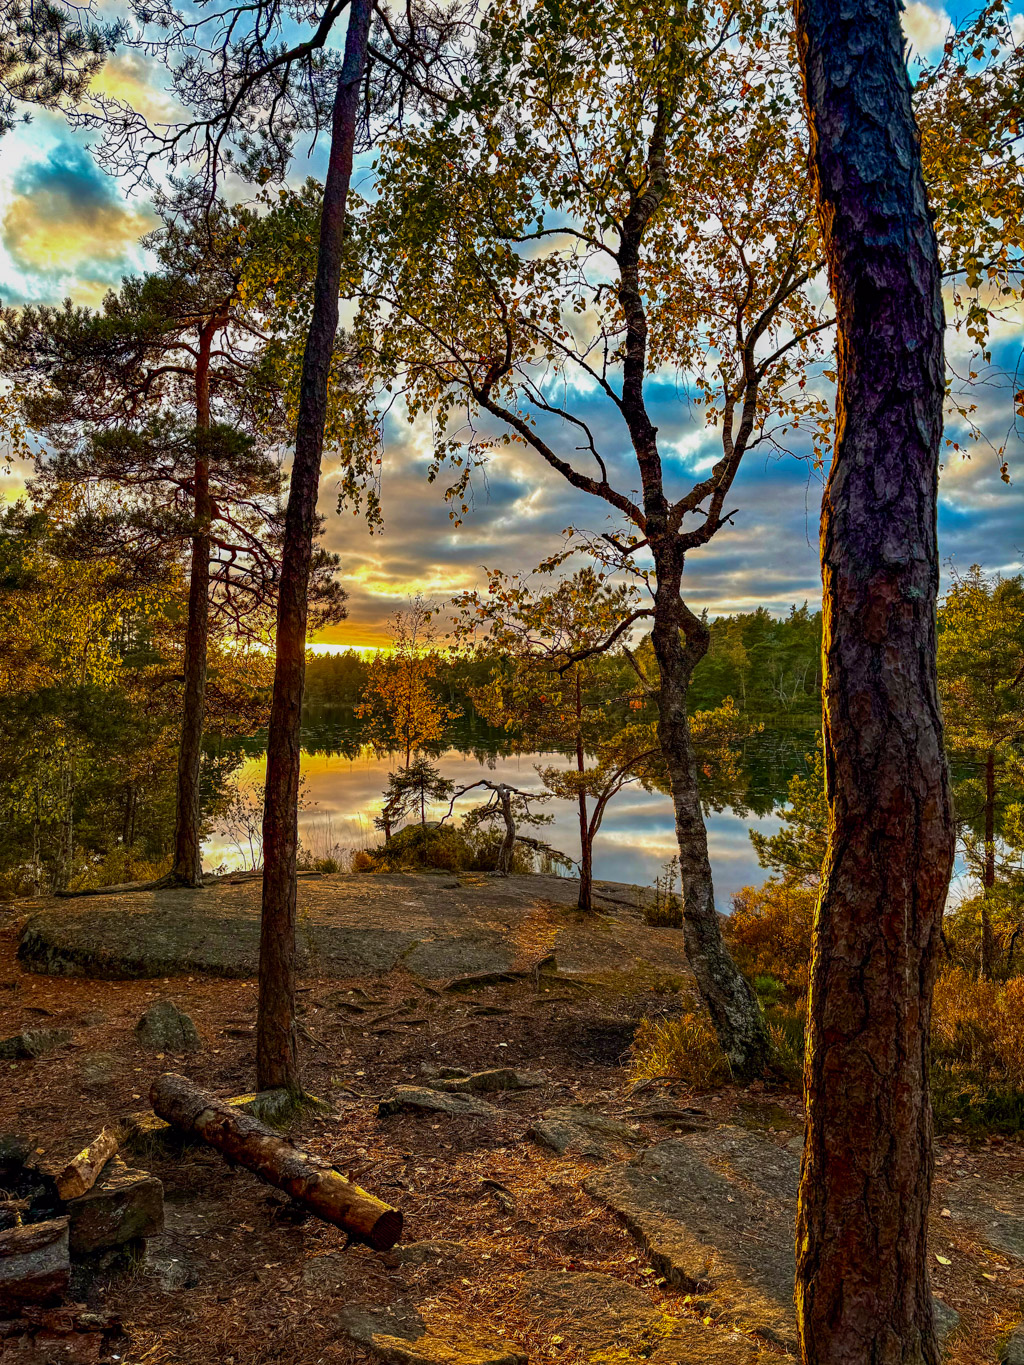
995	1211
716	1212
437	927
398	1334
610	1320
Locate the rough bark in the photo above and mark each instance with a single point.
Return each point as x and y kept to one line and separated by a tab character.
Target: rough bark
250	1143
863	1293
508	843
187	866
277	1062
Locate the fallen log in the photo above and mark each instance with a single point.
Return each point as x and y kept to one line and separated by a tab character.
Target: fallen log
307	1178
82	1172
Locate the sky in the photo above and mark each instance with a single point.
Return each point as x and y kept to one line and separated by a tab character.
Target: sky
69	231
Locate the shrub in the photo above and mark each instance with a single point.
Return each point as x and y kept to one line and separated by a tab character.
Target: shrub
978	1052
769	933
435	846
685	1048
362	860
485	844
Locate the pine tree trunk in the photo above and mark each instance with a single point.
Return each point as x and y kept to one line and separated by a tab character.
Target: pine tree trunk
731	1002
277	1062
863	1292
187	864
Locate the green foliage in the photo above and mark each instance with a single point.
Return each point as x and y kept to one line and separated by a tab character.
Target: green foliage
410	791
981	668
49	53
770	666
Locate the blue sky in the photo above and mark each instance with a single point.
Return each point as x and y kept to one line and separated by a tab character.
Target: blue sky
67	230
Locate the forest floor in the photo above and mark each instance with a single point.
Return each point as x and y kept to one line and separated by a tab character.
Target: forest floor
510	1250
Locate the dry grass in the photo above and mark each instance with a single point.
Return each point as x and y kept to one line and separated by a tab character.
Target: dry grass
685	1049
979	1025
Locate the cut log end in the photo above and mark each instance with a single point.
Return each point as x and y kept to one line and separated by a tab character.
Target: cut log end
386	1231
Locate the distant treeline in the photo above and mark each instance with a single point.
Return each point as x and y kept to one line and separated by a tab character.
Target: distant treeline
767	665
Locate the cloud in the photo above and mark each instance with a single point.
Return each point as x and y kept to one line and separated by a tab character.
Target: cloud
66	226
925	27
133	80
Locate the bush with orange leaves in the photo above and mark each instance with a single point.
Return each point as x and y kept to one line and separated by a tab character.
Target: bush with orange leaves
978	1026
769	933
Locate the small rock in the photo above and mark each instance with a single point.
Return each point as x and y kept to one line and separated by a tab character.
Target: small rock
947	1319
123	1206
98	1069
487	1082
33	1042
143	1133
15	1150
398	1334
420	1099
1012	1352
165	1028
581	1131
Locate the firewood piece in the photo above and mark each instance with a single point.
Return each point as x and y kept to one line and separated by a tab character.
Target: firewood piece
308	1179
35	1264
82	1172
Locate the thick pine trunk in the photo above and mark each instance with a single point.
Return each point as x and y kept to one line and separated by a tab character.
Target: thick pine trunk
863	1292
187	866
277	1061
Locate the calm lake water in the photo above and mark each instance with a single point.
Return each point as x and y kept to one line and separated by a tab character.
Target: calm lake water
344	780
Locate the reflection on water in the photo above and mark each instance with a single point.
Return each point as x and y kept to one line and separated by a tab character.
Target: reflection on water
343	781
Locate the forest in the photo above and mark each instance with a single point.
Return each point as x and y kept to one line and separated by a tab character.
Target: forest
450	770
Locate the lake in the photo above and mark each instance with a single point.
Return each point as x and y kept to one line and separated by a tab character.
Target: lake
343	781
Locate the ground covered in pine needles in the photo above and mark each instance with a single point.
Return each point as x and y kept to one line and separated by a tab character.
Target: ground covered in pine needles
241	1278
